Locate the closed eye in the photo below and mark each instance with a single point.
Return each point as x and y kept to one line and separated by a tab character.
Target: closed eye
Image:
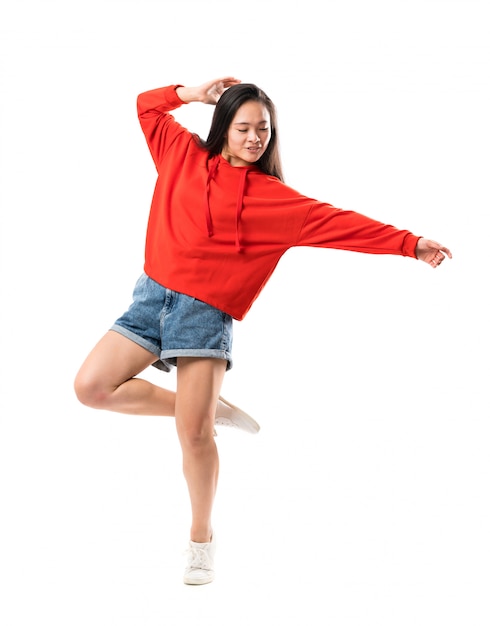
242	130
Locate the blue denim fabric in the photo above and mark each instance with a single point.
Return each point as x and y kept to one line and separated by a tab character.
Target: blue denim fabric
171	324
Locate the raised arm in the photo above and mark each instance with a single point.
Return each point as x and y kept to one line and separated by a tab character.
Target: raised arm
159	127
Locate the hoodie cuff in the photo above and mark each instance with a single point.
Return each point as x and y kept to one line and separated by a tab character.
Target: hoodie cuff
175	98
409	245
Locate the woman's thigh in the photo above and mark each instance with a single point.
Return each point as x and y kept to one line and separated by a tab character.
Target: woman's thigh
114	360
199	383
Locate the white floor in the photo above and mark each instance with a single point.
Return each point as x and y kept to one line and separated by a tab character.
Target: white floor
364	500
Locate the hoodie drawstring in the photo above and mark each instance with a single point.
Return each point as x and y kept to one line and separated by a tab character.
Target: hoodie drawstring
211	173
239	206
239	203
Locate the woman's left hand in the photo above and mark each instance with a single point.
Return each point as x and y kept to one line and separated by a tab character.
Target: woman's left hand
431	252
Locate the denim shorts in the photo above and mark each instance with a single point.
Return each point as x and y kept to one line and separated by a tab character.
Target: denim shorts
171	324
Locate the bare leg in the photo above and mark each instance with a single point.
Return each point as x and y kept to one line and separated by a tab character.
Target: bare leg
198	385
107	380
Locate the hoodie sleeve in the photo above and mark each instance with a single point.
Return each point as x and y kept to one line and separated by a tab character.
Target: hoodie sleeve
326	226
160	128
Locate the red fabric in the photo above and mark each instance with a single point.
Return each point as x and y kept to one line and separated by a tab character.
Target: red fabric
216	232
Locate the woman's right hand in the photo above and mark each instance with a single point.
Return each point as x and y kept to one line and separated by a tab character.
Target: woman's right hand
209	92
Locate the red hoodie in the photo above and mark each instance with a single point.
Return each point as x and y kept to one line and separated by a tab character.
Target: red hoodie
216	232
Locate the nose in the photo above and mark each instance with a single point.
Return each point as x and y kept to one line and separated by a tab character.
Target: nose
253	137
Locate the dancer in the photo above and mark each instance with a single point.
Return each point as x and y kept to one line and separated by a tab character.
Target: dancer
221	218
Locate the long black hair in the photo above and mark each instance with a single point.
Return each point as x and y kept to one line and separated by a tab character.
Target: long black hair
227	106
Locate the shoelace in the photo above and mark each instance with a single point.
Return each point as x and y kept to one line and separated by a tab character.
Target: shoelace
198	558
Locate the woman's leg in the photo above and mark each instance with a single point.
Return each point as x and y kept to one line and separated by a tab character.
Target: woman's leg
198	385
106	379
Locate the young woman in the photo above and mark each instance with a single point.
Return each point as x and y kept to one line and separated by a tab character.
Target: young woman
220	220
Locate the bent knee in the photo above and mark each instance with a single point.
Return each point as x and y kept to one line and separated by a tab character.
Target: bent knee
91	392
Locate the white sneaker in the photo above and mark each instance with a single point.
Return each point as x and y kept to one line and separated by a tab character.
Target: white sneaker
228	414
200	566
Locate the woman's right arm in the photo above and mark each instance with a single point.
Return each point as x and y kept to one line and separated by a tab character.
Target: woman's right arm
160	128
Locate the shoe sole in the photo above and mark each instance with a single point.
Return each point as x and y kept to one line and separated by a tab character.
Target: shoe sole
191	581
244	418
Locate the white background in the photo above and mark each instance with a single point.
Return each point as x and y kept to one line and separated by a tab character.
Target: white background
364	500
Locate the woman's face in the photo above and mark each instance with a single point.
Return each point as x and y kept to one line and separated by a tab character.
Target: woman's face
248	135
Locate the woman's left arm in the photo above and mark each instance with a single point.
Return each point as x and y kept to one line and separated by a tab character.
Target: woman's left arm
331	227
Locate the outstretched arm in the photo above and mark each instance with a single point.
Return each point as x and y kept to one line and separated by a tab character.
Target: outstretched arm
431	252
209	92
